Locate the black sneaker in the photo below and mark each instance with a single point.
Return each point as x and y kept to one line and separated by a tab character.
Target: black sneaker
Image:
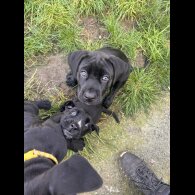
138	172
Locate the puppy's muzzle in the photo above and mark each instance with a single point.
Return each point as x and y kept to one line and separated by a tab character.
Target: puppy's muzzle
90	96
72	131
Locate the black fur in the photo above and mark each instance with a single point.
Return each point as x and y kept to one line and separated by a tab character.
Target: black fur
41	175
63	122
94	111
99	74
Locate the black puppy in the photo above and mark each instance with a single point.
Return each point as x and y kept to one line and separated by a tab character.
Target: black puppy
94	111
73	122
99	74
44	147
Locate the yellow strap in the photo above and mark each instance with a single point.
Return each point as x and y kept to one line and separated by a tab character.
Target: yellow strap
36	153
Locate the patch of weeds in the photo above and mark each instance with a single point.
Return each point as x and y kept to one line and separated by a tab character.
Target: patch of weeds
43	20
37	43
155	30
162	74
92	45
116	35
131	9
158	14
155	44
132	44
119	38
139	92
68	38
89	7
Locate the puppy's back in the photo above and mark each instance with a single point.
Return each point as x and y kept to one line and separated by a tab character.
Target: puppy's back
116	52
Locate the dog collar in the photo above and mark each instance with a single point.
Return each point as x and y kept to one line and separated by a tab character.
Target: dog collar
36	153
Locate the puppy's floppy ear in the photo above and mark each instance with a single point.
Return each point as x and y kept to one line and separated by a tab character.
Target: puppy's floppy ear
74	60
120	67
67	105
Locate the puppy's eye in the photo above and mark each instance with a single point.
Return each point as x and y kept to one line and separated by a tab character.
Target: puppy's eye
105	78
74	113
84	74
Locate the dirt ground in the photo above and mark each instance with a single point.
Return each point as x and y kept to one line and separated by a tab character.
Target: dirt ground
147	136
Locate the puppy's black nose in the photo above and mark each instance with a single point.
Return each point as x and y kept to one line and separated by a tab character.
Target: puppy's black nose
89	95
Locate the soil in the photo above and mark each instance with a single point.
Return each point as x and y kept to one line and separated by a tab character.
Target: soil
53	73
140	60
92	30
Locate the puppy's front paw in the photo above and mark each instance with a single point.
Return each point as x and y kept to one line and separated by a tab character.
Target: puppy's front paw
77	144
70	81
107	102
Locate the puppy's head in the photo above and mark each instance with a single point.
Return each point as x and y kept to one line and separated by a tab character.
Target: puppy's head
96	73
94	78
75	122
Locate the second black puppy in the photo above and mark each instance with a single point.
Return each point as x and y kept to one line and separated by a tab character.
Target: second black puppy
45	146
73	123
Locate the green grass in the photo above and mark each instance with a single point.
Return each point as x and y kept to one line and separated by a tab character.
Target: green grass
89	7
142	90
131	9
45	23
119	38
52	26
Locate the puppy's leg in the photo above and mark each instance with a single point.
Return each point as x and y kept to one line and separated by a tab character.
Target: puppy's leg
31	112
53	119
65	178
114	115
70	81
110	97
31	107
34	106
76	144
